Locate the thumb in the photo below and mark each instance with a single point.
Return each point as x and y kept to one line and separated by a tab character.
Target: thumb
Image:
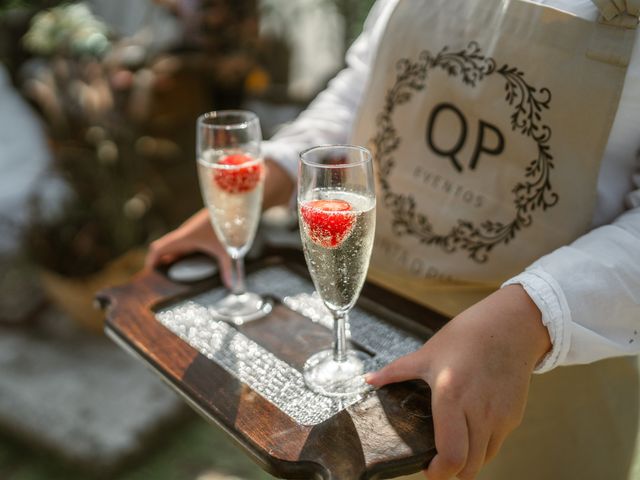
218	252
404	368
161	252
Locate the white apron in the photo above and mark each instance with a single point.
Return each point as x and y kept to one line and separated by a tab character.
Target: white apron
488	120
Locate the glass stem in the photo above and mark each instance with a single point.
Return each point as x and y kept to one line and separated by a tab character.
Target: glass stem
340	336
237	264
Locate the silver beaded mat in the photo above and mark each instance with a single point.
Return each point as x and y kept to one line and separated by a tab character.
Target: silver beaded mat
274	379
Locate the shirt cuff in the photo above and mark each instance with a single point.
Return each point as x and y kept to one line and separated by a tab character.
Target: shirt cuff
556	316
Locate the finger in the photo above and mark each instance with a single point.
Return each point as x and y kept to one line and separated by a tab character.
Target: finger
165	250
452	440
167	259
478	441
404	368
494	446
213	248
181	248
152	257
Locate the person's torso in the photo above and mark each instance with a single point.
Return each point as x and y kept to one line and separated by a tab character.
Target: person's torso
488	122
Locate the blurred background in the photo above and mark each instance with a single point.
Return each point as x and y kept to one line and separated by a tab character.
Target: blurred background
98	101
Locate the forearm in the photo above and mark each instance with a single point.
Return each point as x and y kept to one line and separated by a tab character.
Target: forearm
278	185
510	317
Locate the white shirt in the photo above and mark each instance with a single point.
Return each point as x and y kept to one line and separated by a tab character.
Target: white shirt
588	291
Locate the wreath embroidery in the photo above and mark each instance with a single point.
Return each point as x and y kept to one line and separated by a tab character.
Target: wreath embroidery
533	192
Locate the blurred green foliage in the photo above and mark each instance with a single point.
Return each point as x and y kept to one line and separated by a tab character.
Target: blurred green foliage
354	13
30	4
186	453
69	28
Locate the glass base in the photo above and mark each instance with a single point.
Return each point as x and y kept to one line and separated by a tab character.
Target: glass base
240	309
325	376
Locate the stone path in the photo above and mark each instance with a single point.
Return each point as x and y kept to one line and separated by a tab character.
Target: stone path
74	406
78	395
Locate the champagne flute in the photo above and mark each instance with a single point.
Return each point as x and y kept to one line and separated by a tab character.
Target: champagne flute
336	207
231	173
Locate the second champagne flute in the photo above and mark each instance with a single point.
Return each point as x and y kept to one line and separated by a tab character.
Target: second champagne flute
337	211
231	173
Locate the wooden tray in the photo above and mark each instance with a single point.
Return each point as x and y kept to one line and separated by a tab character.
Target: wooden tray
388	433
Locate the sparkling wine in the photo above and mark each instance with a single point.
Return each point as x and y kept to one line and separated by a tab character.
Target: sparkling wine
337	229
232	185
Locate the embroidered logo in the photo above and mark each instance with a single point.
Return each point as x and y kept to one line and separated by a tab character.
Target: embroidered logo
533	192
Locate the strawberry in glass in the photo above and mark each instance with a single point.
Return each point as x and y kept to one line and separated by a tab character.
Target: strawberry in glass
327	222
231	174
243	174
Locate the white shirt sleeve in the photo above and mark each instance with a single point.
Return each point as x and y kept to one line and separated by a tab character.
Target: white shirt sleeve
589	294
329	118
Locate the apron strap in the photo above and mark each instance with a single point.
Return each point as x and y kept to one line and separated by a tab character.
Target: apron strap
619	13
